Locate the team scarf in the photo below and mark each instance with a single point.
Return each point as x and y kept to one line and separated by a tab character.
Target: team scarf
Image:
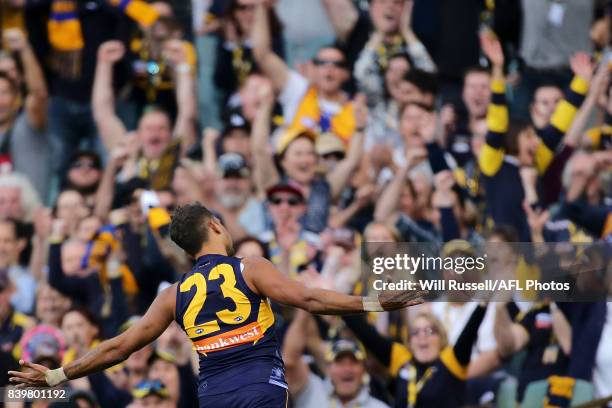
66	37
309	116
99	248
11	17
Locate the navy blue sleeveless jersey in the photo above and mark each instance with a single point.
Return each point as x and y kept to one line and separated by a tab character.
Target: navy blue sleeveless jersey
231	327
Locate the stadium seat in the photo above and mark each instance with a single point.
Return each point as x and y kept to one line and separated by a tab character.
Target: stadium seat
506	393
536	391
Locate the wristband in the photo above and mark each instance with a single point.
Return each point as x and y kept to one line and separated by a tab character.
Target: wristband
55	377
371	305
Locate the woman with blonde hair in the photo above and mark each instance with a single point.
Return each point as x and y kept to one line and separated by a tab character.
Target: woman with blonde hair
427	371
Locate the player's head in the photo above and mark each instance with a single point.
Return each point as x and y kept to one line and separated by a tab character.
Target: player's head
194	226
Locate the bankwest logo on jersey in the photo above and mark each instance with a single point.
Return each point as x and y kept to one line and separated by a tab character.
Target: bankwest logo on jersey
246	334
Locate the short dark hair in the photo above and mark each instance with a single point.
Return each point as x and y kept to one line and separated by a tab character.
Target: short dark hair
420	105
19	228
426	82
511	137
250	238
506	233
546	84
87	315
475	69
188	227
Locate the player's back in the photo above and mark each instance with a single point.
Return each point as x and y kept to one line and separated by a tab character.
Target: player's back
231	327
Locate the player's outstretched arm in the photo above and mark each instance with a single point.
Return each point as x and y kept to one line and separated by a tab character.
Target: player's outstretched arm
265	279
109	352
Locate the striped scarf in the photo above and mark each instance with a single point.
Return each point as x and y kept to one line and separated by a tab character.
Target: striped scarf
66	37
11	17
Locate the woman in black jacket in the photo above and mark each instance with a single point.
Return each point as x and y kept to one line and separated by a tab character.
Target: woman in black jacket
428	372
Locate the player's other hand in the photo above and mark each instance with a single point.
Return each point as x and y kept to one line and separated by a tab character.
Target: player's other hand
394	300
32	375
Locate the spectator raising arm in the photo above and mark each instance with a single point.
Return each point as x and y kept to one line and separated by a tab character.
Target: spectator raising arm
343	15
296	369
264	172
417	51
510	336
109	125
37	97
185	95
573	137
387	205
271	64
492	153
340	175
106	188
565	112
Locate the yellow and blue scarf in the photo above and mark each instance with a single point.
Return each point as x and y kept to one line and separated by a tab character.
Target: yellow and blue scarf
66	37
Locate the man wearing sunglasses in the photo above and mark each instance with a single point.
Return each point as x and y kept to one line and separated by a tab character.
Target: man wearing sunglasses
289	244
317	103
223	305
151	394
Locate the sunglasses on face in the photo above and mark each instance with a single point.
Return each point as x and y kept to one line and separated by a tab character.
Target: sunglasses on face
427	331
148	387
336	63
292	201
245	7
83	165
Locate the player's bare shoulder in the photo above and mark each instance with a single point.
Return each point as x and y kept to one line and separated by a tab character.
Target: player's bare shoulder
255	268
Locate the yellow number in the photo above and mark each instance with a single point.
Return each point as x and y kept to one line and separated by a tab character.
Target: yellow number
196	304
241	311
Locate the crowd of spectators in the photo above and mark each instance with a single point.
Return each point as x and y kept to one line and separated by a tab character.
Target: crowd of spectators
310	128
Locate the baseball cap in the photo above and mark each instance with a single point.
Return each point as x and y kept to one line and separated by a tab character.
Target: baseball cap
162	355
150	387
42	342
346	346
285	187
290	135
329	143
235	120
233	165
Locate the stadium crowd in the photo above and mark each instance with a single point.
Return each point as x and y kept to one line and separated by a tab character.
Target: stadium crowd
310	128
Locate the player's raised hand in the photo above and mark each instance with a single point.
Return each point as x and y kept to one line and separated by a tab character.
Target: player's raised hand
33	375
394	300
